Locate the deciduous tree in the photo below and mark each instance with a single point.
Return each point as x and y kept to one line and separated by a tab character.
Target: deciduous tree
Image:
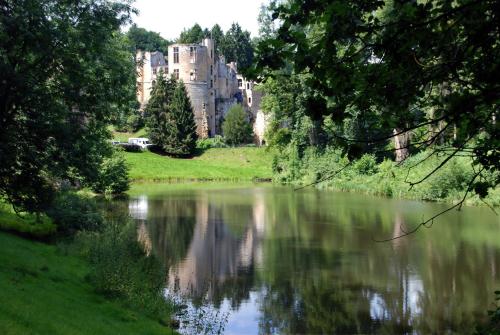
407	64
236	128
63	75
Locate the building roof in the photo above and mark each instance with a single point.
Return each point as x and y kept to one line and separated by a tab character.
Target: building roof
157	59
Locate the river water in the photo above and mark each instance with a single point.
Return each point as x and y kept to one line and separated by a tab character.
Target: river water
271	260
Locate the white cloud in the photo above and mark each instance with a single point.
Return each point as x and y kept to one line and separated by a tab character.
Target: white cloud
170	17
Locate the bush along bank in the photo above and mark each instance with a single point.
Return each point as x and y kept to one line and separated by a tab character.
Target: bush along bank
329	170
110	263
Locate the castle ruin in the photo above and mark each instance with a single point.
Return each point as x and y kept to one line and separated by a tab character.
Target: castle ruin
212	85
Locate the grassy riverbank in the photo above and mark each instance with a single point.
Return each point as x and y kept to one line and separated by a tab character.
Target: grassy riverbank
220	164
45	292
25	224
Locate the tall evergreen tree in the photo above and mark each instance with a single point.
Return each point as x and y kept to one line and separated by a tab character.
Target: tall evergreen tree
170	118
237	47
217	35
157	109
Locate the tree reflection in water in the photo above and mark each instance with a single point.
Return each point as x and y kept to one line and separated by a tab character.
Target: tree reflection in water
307	262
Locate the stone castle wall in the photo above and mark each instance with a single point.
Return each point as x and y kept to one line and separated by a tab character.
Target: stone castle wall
212	85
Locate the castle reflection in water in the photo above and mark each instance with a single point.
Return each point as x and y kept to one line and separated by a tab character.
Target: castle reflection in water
306	262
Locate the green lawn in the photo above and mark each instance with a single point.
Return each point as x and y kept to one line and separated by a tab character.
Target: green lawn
238	164
123	137
43	291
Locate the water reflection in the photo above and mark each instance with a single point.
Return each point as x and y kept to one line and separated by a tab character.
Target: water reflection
306	262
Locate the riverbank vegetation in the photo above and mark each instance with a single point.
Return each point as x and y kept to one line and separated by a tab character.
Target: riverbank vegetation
45	291
329	169
387	85
97	269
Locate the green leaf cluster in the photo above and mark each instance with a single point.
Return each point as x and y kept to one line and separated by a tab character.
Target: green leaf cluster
65	72
421	73
236	128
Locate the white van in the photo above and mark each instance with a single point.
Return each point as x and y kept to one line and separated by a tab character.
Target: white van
140	141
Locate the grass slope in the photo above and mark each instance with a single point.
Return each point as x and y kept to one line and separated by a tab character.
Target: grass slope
44	292
243	164
123	137
25	223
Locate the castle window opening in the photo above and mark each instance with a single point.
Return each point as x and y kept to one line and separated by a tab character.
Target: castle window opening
192	54
192	75
249	100
211	70
248	86
154	70
204	106
176	55
211	83
176	73
240	83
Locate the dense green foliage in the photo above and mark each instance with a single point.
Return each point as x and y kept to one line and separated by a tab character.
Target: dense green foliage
145	40
25	224
212	142
329	169
236	128
421	74
195	34
113	176
44	291
170	118
241	163
121	269
237	47
235	44
72	213
65	73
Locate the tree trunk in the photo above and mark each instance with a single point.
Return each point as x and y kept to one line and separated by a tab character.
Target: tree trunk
316	136
401	144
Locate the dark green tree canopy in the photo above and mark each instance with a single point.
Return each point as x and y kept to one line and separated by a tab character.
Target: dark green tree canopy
195	34
142	39
235	44
64	72
170	118
217	34
410	65
237	47
236	128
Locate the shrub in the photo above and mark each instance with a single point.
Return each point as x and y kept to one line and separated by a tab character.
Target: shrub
120	269
72	213
214	142
366	165
236	128
135	122
113	176
130	147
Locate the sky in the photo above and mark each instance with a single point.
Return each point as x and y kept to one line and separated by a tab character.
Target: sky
170	17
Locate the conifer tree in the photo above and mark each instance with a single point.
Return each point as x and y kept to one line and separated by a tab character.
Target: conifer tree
171	119
157	110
